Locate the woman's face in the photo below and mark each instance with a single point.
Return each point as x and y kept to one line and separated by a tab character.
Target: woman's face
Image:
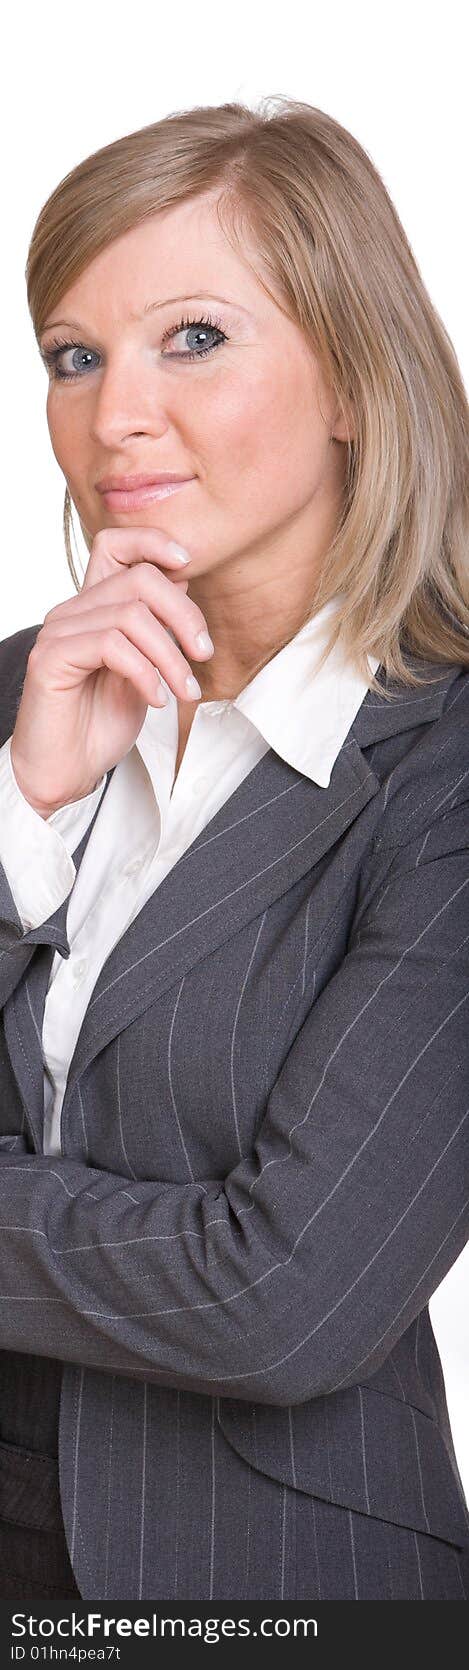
249	420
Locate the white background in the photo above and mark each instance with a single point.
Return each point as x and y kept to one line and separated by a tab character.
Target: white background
75	78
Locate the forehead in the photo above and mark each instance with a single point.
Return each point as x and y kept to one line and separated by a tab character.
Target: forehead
181	251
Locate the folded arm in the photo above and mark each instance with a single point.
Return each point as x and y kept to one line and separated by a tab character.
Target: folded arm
296	1274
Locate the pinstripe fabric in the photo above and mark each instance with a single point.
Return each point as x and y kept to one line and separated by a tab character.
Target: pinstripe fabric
228	1531
263	1180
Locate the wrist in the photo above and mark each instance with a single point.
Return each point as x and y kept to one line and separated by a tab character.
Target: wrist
44	809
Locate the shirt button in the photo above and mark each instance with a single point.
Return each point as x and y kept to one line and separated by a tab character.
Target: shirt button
131	869
80	969
199	785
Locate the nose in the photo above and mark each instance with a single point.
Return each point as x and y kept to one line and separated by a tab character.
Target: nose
128	402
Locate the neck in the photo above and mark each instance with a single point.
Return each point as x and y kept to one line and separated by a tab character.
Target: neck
253	605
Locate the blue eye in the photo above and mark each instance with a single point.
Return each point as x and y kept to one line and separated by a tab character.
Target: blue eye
51	356
203	328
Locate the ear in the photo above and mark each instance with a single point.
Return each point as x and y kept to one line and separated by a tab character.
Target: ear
342	426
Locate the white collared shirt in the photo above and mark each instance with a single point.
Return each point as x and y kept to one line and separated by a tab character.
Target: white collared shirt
143	827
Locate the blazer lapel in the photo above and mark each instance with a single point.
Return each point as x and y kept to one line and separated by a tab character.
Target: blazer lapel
274	827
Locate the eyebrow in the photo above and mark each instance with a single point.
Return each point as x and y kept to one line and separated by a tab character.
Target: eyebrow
153	307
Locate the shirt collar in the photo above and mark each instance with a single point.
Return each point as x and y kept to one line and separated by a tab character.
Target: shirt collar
303	714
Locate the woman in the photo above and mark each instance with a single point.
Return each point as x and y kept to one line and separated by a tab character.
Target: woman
233	915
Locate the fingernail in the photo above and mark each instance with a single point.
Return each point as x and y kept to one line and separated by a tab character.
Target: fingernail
204	642
178	551
192	687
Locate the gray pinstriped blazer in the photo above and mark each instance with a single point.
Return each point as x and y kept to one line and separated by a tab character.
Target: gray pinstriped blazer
264	1137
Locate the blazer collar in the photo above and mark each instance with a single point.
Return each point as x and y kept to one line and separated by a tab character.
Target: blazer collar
379	718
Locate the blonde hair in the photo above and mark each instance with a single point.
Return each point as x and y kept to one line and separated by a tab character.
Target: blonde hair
343	269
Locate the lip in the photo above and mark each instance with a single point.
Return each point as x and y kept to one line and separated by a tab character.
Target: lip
125	499
129	483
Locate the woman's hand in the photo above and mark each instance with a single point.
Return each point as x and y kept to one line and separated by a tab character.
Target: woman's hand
91	674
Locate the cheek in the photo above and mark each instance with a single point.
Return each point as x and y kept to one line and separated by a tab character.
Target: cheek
264	435
66	432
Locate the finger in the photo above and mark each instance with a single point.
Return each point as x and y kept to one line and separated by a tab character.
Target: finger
116	548
105	591
143	583
134	621
88	652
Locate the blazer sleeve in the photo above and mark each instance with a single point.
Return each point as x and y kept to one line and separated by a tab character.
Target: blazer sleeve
295	1275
